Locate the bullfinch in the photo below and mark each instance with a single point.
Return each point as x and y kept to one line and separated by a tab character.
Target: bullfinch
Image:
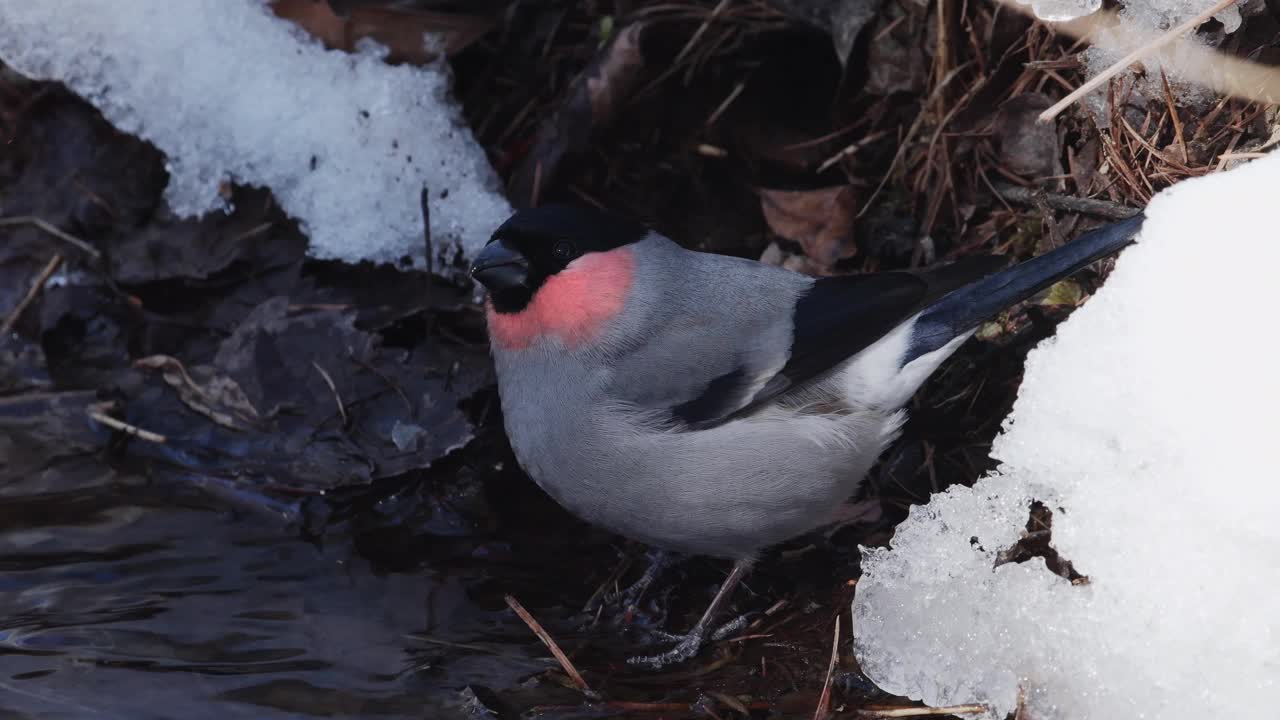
714	405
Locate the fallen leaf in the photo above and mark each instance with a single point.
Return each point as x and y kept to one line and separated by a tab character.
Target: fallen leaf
218	398
22	366
821	221
36	429
255	237
1064	292
1027	146
333	406
403	31
990	331
895	61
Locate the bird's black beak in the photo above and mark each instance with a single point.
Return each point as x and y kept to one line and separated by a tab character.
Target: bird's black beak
500	267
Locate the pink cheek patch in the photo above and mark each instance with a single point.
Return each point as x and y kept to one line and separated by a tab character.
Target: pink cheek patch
573	305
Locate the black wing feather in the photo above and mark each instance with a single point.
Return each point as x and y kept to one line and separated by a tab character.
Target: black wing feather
841	316
721	396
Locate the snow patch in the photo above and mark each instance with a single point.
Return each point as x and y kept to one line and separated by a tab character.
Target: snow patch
229	92
1145	428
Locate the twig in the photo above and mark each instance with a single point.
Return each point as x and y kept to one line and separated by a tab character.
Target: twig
457	645
702	30
49	269
906	140
424	198
1088	206
1173	115
1131	58
408	406
1239	156
55	231
96	412
546	639
824	700
731	702
924	711
1020	710
851	149
674	66
613	578
633	706
342	410
737	90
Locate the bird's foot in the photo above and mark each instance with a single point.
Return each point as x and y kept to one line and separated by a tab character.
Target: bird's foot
721	633
687	645
628	601
623	606
731	628
686	648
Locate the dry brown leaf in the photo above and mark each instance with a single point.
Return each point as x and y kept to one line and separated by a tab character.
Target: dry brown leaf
219	398
821	221
401	30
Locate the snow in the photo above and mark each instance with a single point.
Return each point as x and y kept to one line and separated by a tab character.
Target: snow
1146	426
1160	15
1183	63
228	91
1062	10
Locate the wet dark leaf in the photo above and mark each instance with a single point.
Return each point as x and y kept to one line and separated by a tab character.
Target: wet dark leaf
69	167
22	366
821	221
889	234
381	295
85	333
257	236
308	401
1026	146
38	428
895	60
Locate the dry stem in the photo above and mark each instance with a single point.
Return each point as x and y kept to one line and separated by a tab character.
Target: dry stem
98	413
824	701
54	263
342	409
547	640
1088	206
1142	51
924	711
55	231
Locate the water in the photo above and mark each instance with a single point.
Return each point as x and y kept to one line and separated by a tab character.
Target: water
121	599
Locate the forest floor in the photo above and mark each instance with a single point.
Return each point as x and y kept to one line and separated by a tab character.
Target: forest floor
888	134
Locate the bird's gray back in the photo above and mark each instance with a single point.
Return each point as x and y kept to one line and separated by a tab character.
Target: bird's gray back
696	317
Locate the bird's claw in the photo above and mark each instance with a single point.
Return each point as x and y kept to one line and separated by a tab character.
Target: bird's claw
688	646
628	600
732	627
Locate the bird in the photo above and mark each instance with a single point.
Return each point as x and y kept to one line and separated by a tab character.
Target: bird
712	405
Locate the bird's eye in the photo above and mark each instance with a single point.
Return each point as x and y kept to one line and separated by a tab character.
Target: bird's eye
564	250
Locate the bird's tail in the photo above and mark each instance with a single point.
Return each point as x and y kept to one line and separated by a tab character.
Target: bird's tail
959	312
